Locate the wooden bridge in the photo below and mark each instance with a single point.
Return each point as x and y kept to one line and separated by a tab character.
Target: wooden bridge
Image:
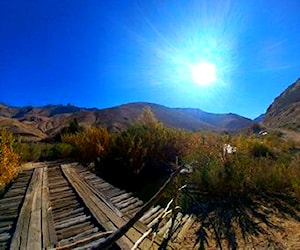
65	206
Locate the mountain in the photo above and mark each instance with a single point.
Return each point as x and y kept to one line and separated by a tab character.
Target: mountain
284	112
228	122
36	123
260	118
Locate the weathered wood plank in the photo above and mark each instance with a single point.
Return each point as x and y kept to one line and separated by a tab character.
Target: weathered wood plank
129	224
185	228
125	203
48	231
76	244
99	209
182	222
34	238
133	233
114	192
79	236
5	201
65	233
149	213
72	221
121	197
71	212
19	239
131	206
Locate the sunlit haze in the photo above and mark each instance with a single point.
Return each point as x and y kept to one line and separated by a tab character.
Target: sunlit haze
217	55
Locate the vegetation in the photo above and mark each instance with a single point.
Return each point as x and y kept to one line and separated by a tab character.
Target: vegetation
90	144
9	160
73	128
224	188
34	151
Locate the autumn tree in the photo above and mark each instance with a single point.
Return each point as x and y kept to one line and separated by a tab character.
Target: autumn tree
147	118
9	160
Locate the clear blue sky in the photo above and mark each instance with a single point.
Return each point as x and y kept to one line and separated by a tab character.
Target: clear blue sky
98	53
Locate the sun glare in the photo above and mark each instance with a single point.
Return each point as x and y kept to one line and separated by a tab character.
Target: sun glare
204	73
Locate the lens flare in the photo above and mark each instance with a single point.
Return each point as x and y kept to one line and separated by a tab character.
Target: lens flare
204	73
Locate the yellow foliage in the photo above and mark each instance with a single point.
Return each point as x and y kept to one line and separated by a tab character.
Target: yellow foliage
89	144
148	118
9	160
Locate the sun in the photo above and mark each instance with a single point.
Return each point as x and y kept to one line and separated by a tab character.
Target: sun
204	73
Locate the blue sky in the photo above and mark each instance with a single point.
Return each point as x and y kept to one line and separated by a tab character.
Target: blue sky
104	53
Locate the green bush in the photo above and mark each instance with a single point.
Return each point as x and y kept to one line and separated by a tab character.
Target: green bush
260	150
29	151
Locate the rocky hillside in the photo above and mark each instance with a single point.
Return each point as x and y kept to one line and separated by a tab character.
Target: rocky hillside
284	112
35	123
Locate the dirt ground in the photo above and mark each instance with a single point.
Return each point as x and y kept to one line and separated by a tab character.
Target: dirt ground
285	237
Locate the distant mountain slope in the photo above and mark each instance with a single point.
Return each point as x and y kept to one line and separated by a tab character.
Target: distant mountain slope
169	116
260	118
229	122
284	112
47	121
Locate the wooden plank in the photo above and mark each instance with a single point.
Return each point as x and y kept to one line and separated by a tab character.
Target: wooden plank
149	213
132	206
79	236
93	203
126	203
19	238
34	238
4	201
59	190
8	205
63	200
153	216
68	212
65	195
49	234
123	230
72	221
104	199
63	205
111	193
185	228
100	210
73	230
84	241
133	233
121	197
5	229
182	222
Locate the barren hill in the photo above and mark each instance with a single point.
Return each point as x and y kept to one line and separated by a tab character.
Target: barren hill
284	112
37	123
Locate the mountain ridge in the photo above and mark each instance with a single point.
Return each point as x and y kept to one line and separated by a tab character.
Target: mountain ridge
46	121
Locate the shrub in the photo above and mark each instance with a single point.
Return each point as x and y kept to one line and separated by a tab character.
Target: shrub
90	144
260	150
29	151
9	160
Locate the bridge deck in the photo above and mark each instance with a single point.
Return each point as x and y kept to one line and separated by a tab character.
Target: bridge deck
66	207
